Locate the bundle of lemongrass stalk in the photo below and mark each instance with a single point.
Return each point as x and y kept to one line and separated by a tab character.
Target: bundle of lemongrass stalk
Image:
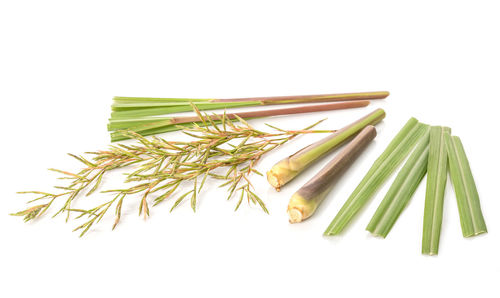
149	116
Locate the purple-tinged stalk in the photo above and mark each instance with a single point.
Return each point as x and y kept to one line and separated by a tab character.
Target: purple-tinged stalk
159	125
288	168
306	200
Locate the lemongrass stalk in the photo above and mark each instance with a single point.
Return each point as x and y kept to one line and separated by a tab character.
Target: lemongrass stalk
125	124
288	168
130	107
401	190
383	167
310	98
434	196
278	112
306	200
120	136
469	208
173	122
158	99
132	113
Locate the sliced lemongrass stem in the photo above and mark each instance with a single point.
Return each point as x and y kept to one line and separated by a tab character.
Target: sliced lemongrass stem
383	167
304	202
401	190
288	168
174	121
469	208
434	195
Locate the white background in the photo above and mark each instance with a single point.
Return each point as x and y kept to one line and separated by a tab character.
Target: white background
62	61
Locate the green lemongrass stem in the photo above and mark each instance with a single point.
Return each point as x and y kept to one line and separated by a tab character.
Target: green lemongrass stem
436	185
118	124
310	98
306	200
174	121
469	208
120	136
124	107
132	113
401	190
383	167
288	168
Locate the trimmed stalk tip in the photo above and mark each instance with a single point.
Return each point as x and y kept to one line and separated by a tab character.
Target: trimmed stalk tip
300	208
280	174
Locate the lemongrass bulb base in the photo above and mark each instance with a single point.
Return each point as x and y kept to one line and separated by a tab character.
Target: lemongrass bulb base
280	174
300	208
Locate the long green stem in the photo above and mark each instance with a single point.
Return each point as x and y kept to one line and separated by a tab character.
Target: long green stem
153	110
305	201
436	184
131	107
383	167
145	127
469	208
401	190
288	168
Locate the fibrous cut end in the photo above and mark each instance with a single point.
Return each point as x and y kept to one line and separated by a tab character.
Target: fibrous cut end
295	215
274	180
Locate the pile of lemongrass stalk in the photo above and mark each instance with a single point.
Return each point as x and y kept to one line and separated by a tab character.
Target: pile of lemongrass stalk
149	116
431	150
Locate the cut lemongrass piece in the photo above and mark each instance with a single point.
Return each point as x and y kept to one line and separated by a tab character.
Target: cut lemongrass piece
288	168
434	196
305	201
469	208
384	166
401	190
171	123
